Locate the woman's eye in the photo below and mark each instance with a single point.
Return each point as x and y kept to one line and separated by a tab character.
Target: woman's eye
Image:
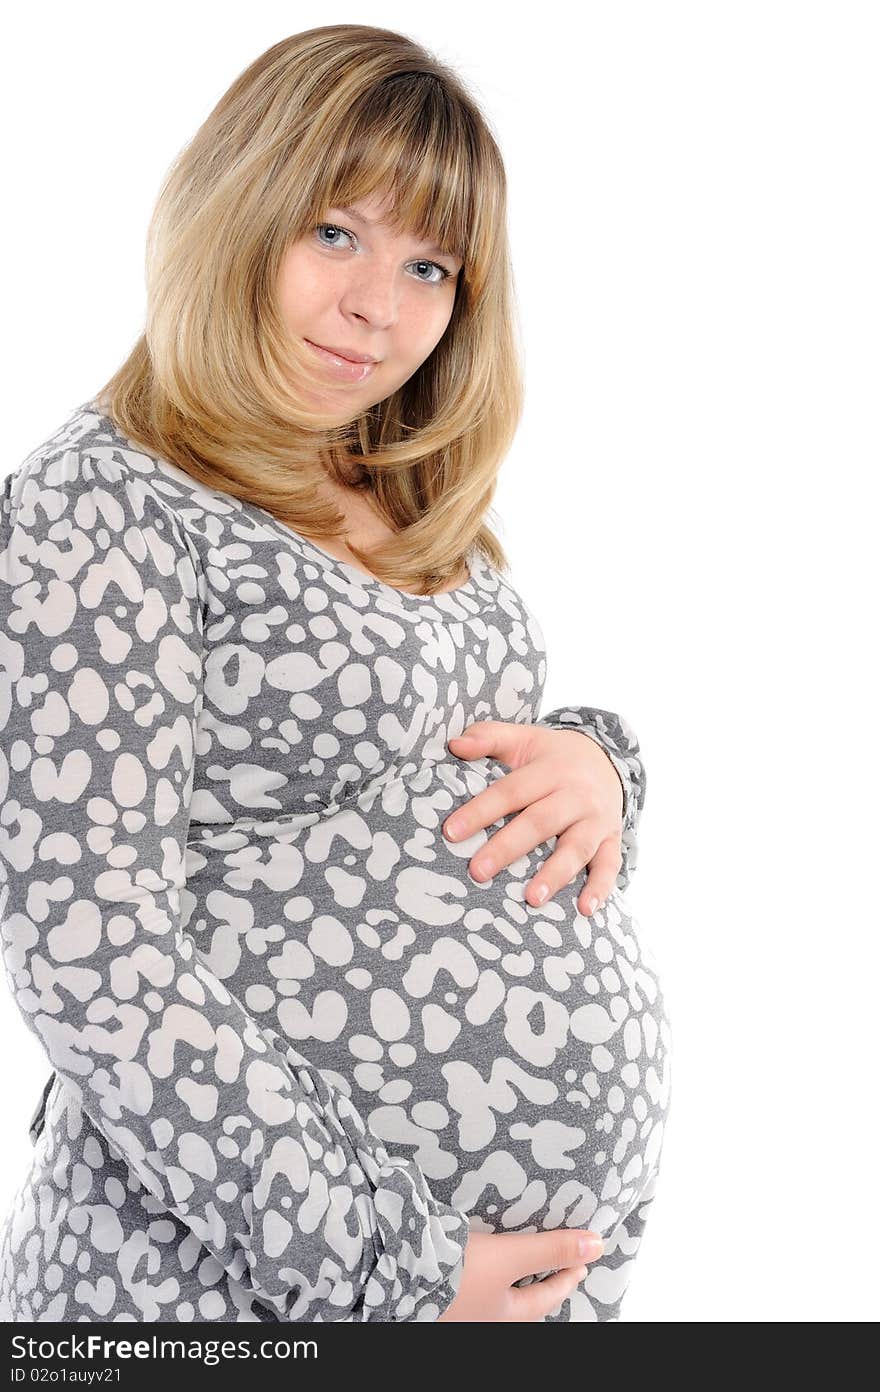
329	227
443	274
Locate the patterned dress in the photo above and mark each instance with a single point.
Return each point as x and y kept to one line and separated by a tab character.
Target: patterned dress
297	1052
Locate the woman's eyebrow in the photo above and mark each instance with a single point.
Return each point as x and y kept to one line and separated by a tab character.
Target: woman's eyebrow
371	222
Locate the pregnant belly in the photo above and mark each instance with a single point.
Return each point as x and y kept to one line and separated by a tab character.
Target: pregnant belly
520	1055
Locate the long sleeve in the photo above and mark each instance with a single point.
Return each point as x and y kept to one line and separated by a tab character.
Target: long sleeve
220	1118
618	739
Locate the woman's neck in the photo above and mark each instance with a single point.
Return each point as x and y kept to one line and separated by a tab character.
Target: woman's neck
364	527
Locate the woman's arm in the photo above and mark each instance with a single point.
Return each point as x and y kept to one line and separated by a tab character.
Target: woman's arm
101	667
619	742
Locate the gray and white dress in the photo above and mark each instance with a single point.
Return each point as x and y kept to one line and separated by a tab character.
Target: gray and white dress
297	1053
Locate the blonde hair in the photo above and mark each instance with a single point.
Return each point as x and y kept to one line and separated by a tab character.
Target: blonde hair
323	118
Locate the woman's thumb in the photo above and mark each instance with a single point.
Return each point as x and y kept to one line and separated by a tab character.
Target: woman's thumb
551	1251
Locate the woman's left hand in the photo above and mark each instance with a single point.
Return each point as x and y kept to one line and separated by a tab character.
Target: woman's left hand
563	784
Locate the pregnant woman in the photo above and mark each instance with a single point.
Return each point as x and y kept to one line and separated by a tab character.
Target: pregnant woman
268	704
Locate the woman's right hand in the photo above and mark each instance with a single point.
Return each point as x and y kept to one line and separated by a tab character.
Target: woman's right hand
493	1261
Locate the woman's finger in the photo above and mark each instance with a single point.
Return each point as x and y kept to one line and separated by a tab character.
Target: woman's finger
602	878
512	792
603	859
537	823
575	848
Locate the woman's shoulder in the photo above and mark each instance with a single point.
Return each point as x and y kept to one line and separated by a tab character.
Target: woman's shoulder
87	454
85	437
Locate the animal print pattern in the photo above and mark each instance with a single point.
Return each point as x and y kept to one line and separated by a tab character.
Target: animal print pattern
297	1053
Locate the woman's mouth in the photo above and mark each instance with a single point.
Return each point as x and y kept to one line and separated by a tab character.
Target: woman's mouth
343	368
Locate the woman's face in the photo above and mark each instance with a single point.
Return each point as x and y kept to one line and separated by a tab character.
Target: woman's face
350	284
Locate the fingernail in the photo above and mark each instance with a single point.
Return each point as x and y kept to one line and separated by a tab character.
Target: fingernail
592	905
452	828
591	1247
541	893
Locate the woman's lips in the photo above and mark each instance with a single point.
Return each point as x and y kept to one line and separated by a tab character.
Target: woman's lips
342	367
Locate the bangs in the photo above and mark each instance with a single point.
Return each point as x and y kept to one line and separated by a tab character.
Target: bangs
407	143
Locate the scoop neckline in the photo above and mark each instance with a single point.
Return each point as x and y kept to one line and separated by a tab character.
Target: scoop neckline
474	557
362	578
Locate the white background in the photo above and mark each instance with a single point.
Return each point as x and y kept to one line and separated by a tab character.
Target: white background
690	507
